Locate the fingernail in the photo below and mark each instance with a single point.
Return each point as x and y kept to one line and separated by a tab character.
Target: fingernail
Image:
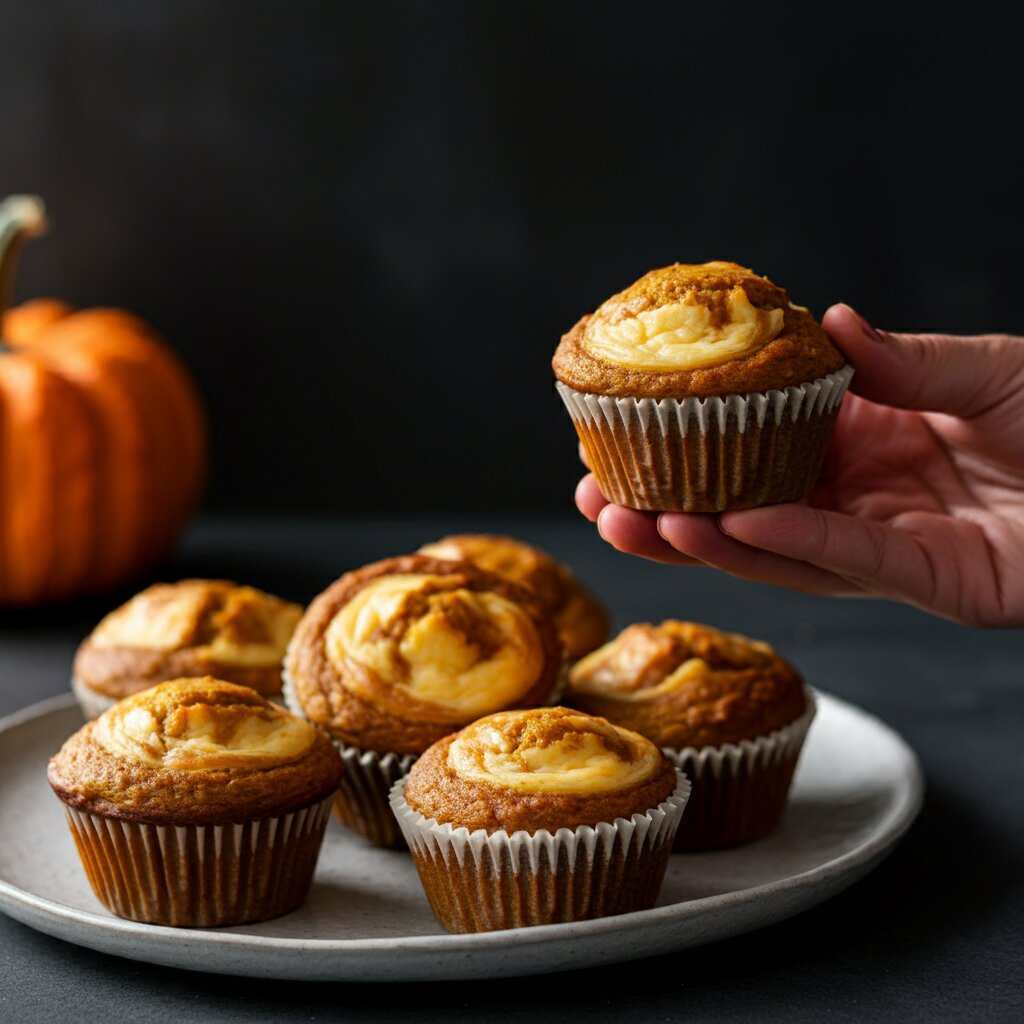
865	328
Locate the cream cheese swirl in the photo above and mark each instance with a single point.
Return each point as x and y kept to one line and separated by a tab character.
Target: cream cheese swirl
224	623
552	750
414	639
646	663
202	725
684	335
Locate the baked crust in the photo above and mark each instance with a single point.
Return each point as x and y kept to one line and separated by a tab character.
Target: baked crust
217	617
682	684
579	617
438	790
95	777
393	721
799	353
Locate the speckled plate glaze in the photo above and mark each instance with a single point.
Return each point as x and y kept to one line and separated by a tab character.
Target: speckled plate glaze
857	789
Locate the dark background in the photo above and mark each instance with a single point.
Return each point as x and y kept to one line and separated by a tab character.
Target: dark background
365	226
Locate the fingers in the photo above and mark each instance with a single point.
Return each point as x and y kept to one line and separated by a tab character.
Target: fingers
679	539
636	533
940	373
589	499
583	456
886	561
701	538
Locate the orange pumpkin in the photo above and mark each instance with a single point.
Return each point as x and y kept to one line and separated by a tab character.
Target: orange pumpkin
102	440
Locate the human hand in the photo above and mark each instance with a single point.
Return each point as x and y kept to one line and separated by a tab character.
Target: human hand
921	498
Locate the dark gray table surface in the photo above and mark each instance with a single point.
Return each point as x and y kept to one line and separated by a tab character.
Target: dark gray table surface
934	934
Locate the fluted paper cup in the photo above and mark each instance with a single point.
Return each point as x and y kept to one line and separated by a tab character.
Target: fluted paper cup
200	876
708	454
739	789
361	801
92	704
475	881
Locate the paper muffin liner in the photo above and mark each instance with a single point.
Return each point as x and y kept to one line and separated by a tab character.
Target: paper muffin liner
92	704
361	801
739	789
475	881
708	454
200	876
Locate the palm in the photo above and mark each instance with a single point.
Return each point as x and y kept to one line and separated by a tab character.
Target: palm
947	486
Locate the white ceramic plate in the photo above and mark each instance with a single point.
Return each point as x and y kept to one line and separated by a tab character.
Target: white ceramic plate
857	789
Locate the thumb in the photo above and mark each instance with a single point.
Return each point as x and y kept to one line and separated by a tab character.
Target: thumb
965	376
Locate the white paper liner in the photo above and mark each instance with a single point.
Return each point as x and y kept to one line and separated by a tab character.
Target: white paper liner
92	704
739	789
200	876
476	881
361	803
642	453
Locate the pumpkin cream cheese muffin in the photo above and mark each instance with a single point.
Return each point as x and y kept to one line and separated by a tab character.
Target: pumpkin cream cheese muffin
728	710
701	387
537	816
246	786
579	617
397	654
188	628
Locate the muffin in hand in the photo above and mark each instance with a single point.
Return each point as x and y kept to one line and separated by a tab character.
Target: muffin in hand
197	803
539	816
701	388
727	710
397	654
579	617
189	628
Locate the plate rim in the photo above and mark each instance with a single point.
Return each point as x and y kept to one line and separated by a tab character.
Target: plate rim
863	857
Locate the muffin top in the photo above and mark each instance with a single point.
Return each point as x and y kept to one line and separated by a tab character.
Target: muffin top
399	653
195	751
189	628
579	617
681	684
544	768
695	330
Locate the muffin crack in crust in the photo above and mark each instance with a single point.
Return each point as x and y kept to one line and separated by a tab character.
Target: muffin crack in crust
397	654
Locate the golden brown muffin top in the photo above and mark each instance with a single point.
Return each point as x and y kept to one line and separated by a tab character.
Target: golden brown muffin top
685	685
695	330
579	617
399	653
189	628
195	751
546	768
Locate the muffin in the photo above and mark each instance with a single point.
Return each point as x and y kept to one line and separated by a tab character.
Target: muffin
397	654
701	388
189	628
539	816
727	710
197	803
579	617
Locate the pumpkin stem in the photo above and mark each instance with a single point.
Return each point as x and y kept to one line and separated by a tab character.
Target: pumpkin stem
21	217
